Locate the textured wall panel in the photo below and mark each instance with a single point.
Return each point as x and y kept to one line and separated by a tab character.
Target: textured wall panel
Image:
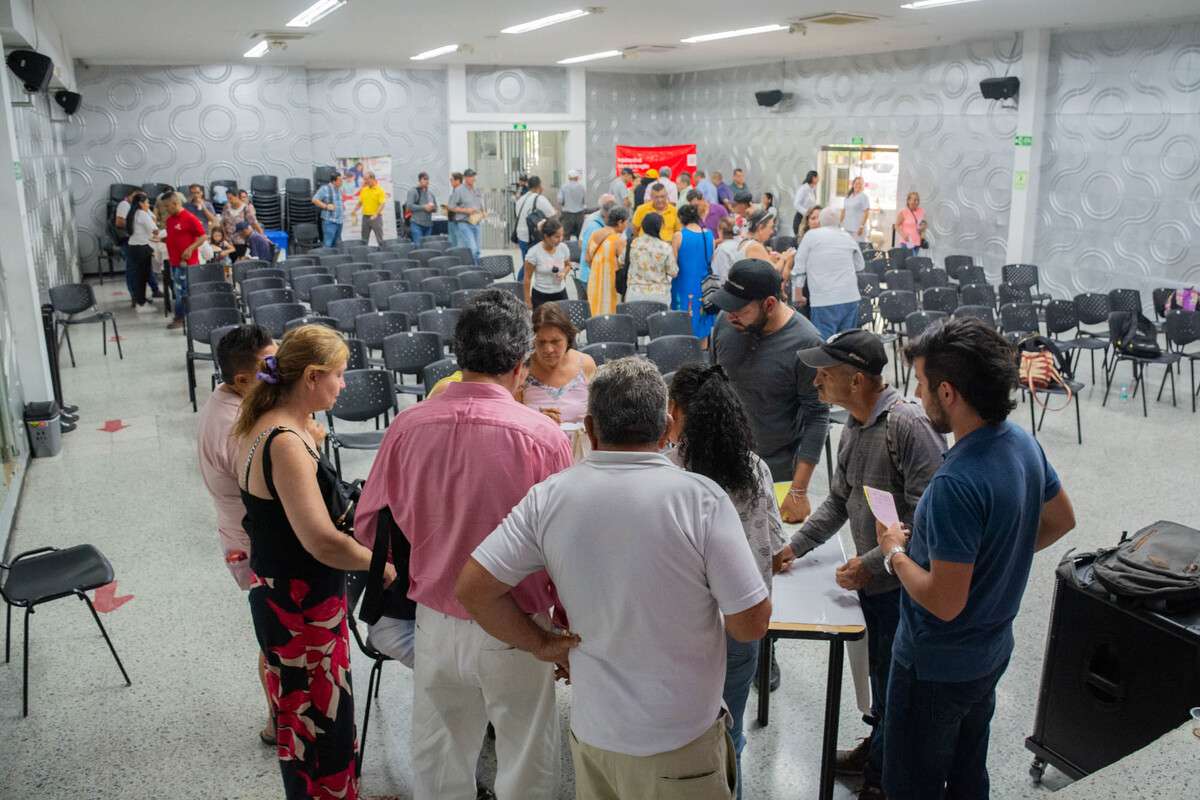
517	90
622	108
1120	188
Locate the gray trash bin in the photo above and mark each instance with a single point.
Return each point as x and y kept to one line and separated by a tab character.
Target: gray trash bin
43	424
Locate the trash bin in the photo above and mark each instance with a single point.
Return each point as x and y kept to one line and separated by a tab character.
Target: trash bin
43	424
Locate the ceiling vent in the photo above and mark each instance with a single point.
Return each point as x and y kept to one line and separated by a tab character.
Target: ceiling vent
277	36
837	18
633	51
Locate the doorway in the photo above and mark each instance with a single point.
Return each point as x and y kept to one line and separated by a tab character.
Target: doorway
879	167
499	158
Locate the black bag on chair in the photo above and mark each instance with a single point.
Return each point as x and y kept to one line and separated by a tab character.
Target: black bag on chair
392	601
1134	335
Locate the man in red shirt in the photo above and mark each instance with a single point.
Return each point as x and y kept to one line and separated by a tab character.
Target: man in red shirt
185	234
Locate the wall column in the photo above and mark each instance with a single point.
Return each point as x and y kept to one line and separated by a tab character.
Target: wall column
1027	147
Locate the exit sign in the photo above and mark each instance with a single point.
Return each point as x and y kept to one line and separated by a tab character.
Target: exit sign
856	140
520	126
1023	141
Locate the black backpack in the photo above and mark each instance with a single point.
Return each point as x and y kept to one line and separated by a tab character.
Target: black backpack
1134	335
534	219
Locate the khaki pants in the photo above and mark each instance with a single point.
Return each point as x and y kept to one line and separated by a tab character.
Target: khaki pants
705	769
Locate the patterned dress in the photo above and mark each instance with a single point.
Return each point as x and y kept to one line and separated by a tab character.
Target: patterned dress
651	268
299	609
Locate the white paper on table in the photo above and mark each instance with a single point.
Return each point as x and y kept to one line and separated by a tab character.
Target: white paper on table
808	594
883	505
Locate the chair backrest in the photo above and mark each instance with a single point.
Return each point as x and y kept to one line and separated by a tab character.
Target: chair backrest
365	277
1182	327
411	303
210	288
1060	316
640	310
463	254
440	321
264	297
876	266
866	312
985	313
897	256
345	272
1159	298
475	279
612	328
346	311
970	273
669	353
202	323
368	393
442	368
358	357
499	266
977	294
372	328
398	247
868	284
409	352
1092	308
275	316
510	286
899	280
424	254
319	297
206	273
932	277
303	261
305	233
1024	275
358	252
896	304
199	302
310	319
441	288
918	321
333	259
398	265
241	268
1019	318
266	272
577	311
443	263
304	284
461	297
1125	300
415	276
663	323
251	285
940	298
915	264
1015	293
434	243
954	262
380	256
609	351
380	291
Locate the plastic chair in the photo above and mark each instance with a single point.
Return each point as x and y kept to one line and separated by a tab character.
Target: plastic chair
462	254
1138	363
241	268
217	287
46	574
669	353
345	272
640	310
916	264
368	394
275	316
894	307
332	260
264	297
374	327
202	302
380	291
984	313
868	284
443	263
441	288
424	254
969	274
399	247
931	277
1025	276
76	298
665	323
612	328
1012	293
357	357
578	311
940	298
1125	300
899	280
1183	328
441	321
897	256
304	285
305	236
498	267
206	273
474	280
442	368
411	303
200	325
365	277
953	263
1018	320
608	351
408	353
346	311
415	276
977	294
256	284
378	257
319	297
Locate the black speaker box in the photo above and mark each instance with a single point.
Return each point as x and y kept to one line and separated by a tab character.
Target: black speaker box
1115	678
769	97
68	100
33	68
999	88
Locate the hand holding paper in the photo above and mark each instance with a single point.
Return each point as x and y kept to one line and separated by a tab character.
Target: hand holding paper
883	506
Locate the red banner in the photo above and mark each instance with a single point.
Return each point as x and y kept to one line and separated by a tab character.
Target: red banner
679	157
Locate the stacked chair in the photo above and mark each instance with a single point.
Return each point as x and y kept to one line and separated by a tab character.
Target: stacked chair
264	194
297	193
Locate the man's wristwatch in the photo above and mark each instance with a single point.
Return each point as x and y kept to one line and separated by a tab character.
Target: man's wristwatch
887	558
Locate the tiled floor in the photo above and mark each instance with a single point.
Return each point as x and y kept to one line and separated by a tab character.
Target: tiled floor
188	726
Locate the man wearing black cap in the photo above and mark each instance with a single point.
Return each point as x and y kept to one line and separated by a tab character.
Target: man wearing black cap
889	445
756	340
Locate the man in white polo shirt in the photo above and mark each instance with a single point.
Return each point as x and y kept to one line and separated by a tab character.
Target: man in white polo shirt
648	560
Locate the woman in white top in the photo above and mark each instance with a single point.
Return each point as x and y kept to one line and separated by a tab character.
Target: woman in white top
855	210
143	233
805	199
547	266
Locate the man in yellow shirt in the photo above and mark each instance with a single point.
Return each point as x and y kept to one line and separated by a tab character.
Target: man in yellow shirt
371	198
658	204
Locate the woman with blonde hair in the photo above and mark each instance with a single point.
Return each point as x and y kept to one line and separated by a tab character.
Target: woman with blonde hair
910	224
298	559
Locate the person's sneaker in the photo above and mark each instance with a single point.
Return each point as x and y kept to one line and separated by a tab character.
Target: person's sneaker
146	308
852	762
871	793
174	324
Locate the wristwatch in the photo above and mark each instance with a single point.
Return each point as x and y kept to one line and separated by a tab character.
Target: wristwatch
887	558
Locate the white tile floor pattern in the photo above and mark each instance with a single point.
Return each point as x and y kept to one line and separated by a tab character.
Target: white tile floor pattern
188	726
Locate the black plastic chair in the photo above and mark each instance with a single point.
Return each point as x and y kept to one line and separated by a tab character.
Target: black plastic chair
613	328
1137	363
977	294
1074	386
669	353
265	297
415	276
200	325
365	277
440	321
666	323
459	270
368	394
345	272
461	254
498	267
400	247
1062	316
984	313
305	236
897	256
1125	300
304	285
931	277
918	264
395	267
869	284
257	284
216	287
876	267
319	297
953	263
441	288
1018	320
424	254
203	302
304	261
866	313
77	298
916	324
940	298
1027	277
346	312
275	316
1012	293
241	269
408	353
380	291
1183	328
206	273
378	257
970	273
304	270
357	251
475	279
443	263
442	368
608	351
358	357
374	327
899	280
578	311
462	297
310	319
640	310
333	260
411	303
46	574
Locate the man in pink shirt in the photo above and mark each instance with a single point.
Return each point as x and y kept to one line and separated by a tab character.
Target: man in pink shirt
450	470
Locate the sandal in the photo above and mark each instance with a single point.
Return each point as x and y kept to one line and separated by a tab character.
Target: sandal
268	738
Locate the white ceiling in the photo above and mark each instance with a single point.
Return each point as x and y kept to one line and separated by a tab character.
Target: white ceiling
385	33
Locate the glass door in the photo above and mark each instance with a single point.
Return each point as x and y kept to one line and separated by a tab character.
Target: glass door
879	167
499	159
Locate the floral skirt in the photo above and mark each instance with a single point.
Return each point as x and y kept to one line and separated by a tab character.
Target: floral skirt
301	628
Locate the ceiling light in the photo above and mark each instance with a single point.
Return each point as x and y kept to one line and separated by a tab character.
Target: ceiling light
259	50
435	52
712	37
315	13
545	22
591	57
917	5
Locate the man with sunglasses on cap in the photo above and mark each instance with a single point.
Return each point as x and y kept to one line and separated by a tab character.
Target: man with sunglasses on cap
890	445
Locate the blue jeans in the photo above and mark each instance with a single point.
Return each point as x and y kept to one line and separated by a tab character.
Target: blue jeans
936	736
452	232
332	231
741	664
882	614
839	317
469	237
419	232
524	248
179	280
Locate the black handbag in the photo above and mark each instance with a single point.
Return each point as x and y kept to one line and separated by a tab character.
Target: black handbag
392	601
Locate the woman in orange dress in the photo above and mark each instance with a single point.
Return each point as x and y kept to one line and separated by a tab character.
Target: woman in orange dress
606	249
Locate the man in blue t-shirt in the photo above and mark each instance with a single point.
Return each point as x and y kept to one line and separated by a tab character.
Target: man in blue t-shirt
994	502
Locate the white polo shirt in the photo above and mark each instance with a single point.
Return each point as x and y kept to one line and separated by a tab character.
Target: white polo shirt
830	259
646	557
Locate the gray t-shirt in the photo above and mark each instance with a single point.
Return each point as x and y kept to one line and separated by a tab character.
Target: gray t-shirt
417	198
464	196
571	197
856	205
788	420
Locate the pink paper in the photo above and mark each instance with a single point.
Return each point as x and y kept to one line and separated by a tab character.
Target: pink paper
883	506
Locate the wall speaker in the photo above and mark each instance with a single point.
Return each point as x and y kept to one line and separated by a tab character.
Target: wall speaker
33	68
68	100
769	97
999	88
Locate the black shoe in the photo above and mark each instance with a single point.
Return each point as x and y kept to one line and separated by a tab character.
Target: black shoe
156	293
852	762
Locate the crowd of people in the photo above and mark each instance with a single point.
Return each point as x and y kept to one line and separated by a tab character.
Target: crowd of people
622	534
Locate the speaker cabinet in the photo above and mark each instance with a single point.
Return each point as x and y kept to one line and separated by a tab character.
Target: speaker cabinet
68	100
1115	679
769	97
33	68
999	88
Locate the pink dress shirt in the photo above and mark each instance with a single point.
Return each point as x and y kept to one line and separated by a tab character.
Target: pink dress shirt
451	469
218	452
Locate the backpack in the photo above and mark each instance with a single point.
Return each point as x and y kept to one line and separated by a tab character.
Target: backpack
534	219
1042	365
1159	566
1134	335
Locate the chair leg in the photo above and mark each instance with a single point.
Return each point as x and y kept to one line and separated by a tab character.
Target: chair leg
191	378
83	596
70	350
1078	424
829	456
362	741
117	336
1042	418
378	680
104	336
1192	365
1139	372
7	630
1174	404
25	670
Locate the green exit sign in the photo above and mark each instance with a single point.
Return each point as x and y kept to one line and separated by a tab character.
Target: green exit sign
856	140
1023	141
520	126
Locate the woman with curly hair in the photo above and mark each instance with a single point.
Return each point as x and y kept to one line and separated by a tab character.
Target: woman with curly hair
712	437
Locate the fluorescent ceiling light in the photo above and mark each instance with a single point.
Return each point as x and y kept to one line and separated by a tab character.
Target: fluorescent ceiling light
316	12
259	50
435	52
591	57
712	37
917	5
546	22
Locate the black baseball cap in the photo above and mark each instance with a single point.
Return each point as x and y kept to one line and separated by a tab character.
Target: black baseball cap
860	349
468	173
749	279
743	197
